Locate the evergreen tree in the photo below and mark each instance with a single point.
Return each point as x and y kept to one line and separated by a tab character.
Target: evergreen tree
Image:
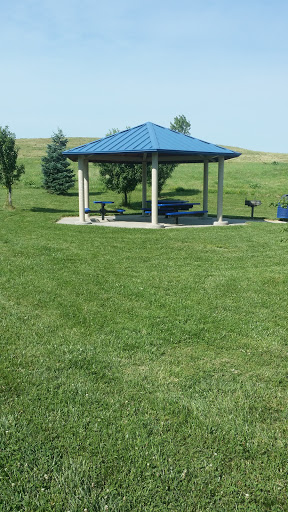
58	176
9	170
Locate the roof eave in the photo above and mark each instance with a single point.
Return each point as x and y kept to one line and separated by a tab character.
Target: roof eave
137	157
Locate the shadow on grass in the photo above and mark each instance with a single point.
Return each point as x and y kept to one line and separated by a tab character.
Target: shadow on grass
182	192
244	217
136	205
50	210
91	194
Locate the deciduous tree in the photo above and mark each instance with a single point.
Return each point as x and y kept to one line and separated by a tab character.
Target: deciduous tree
181	124
10	171
164	172
121	178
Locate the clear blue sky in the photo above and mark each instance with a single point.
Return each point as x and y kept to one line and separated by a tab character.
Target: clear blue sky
89	66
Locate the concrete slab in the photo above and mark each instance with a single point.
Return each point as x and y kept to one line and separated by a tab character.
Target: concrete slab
140	221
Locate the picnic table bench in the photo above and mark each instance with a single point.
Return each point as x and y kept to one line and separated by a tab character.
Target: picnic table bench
179	214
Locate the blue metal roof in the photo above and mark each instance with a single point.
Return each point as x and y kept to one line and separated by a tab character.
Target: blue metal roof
149	138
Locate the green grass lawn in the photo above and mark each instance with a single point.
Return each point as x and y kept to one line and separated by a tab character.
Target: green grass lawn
144	370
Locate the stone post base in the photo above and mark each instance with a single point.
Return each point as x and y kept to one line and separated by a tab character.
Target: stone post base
221	223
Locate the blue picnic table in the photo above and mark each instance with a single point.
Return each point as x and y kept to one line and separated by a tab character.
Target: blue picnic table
175	208
103	209
170	205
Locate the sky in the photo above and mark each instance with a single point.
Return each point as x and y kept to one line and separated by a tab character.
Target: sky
89	66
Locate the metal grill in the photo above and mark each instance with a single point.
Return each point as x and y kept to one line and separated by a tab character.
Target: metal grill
252	203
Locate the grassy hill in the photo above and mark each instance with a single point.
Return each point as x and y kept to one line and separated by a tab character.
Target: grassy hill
31	148
248	155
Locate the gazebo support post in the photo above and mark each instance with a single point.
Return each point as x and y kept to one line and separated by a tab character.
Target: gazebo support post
220	221
81	171
154	202
81	188
86	186
205	187
144	183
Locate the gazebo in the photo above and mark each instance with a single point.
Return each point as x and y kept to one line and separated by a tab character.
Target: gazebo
150	143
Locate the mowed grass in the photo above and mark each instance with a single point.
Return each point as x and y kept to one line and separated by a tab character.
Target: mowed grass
143	370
